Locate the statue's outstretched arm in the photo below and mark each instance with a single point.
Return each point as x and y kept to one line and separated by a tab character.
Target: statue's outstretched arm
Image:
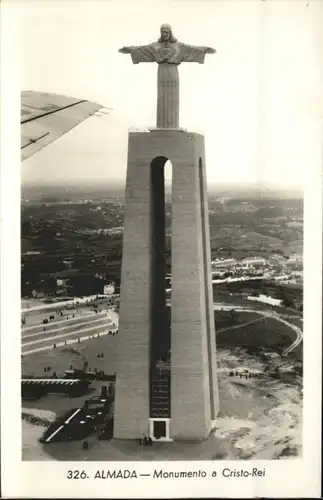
125	50
209	50
140	53
206	50
195	53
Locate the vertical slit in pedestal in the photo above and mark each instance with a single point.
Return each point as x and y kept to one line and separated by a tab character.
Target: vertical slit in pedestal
206	271
160	317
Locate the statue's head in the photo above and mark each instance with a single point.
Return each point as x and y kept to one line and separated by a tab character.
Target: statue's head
166	34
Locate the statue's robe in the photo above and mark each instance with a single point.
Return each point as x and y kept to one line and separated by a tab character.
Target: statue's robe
171	53
168	56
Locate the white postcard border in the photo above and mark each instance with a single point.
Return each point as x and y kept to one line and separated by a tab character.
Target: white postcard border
284	478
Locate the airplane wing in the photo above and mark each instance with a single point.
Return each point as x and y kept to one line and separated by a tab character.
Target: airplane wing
46	117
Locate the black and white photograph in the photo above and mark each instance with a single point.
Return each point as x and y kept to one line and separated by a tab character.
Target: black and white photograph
166	152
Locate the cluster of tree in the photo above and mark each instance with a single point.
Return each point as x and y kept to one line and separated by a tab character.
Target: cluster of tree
33	283
290	297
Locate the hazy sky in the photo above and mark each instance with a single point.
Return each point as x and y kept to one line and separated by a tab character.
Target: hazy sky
258	100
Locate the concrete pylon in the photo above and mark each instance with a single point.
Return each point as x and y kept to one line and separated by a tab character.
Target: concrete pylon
193	388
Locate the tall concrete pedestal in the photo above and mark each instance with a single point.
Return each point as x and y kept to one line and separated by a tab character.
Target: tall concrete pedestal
194	395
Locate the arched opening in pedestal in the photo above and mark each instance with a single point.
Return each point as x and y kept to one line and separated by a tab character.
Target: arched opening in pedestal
160	260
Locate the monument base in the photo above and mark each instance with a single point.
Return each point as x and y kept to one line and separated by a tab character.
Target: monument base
131	450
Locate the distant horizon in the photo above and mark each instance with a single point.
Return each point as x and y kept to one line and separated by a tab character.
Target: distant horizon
213	187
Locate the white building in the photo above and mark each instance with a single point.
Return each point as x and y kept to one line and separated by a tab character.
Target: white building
266	299
253	261
223	262
109	289
282	277
61	281
296	258
297	273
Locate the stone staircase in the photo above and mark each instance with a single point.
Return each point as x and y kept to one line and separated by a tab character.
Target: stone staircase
160	392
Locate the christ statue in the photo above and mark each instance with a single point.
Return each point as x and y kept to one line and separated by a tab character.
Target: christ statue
168	53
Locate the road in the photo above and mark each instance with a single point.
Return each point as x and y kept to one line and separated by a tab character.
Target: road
70	331
240	326
58	305
299	336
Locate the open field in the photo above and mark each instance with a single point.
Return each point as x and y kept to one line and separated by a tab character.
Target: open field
266	333
228	319
255	332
